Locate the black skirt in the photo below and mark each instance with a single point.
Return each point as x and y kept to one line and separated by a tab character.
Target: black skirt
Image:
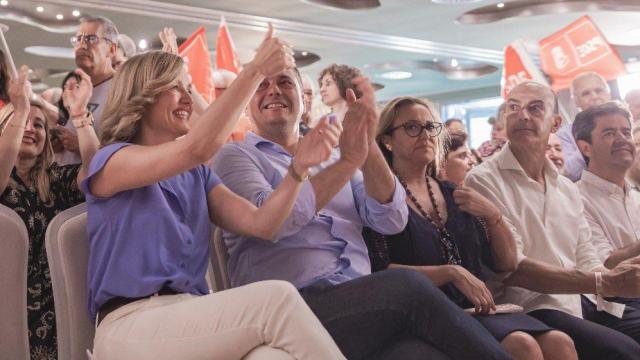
501	325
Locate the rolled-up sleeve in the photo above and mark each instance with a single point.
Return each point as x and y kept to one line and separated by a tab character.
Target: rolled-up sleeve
387	219
601	243
586	256
246	177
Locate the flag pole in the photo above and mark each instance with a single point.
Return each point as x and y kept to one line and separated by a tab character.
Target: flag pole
4	28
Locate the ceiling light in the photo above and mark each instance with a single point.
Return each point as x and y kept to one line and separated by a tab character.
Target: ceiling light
143	44
435	60
39	9
454	63
500	5
4	2
59	17
75	13
396	75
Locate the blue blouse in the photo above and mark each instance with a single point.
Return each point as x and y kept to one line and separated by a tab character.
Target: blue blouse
144	239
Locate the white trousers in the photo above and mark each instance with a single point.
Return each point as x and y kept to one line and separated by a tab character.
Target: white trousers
264	320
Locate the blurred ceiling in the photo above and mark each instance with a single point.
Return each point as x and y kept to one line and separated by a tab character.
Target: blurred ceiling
432	48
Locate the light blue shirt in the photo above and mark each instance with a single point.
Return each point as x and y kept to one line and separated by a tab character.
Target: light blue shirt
310	246
573	161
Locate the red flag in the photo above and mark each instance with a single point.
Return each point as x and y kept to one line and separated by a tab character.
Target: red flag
518	67
195	53
226	57
578	48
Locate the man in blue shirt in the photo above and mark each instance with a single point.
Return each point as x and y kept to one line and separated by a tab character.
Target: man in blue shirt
391	314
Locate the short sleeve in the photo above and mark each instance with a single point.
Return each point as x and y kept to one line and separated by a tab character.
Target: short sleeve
211	180
99	160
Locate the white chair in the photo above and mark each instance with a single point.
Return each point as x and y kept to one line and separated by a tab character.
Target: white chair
14	242
67	246
219	259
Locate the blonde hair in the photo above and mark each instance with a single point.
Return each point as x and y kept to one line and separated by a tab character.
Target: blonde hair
135	87
39	172
391	112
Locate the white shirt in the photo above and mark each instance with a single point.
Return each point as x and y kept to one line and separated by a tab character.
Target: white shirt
96	106
613	213
548	226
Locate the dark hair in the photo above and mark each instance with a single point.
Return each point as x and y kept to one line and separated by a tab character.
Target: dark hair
456	141
585	121
451	121
64	114
342	75
5	77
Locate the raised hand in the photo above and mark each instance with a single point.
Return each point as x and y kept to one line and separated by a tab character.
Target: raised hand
20	90
273	56
169	40
474	290
317	145
354	140
77	98
475	204
367	102
68	139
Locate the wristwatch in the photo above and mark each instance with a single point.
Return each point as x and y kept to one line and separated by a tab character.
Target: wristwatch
297	177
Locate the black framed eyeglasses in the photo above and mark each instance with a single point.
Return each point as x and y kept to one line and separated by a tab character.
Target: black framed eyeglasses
89	39
414	128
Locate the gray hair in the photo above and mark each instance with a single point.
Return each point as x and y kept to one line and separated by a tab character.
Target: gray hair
583	75
109	29
126	44
585	121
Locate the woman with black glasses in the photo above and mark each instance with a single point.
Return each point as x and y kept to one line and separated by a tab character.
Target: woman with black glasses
454	232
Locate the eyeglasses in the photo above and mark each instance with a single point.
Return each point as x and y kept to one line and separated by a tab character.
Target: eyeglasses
414	128
89	39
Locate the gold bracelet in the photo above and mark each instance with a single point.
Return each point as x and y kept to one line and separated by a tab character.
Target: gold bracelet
82	122
297	177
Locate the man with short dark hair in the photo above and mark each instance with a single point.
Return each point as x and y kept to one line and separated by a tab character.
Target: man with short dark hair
391	314
603	134
95	44
558	260
587	89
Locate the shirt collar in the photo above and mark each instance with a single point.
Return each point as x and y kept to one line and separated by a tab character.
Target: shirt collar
507	161
601	184
259	142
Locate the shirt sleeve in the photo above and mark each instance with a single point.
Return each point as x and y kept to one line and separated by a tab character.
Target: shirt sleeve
586	256
480	184
387	219
573	161
243	176
602	245
211	180
98	162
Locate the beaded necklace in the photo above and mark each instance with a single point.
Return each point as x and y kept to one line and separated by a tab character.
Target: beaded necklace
450	252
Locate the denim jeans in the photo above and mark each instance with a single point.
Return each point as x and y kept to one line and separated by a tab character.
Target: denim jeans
398	311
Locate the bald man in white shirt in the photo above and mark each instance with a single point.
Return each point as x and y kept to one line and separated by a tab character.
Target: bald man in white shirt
557	259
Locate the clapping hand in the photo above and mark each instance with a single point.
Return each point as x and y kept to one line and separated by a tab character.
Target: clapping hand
273	56
169	40
317	145
20	91
77	98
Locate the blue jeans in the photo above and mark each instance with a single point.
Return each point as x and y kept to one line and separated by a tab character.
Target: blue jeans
398	311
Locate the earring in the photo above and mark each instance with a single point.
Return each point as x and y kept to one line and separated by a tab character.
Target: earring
388	147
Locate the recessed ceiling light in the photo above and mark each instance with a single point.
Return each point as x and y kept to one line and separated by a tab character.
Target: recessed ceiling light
75	13
4	2
454	63
59	17
142	44
39	9
435	60
500	5
396	75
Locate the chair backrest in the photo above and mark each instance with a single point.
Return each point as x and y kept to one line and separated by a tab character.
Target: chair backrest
14	242
219	259
67	246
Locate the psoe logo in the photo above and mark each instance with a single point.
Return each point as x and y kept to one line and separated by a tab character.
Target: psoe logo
560	58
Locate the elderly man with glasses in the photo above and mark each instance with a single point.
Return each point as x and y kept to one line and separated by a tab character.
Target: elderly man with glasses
95	44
